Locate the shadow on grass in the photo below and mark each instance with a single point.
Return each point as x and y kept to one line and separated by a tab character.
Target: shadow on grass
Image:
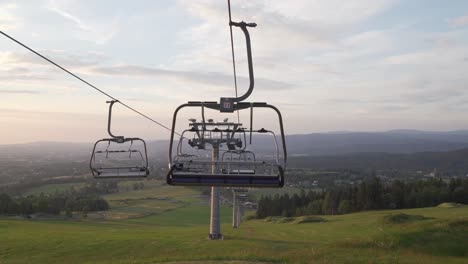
444	239
272	242
295	220
402	218
441	238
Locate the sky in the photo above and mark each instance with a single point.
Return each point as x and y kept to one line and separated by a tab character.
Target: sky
367	65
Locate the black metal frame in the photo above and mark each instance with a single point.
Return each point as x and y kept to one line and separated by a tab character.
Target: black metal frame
190	179
98	171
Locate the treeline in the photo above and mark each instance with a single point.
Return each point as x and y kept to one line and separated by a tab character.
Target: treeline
369	195
447	162
85	199
22	186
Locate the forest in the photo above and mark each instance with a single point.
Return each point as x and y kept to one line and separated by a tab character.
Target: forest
84	199
372	194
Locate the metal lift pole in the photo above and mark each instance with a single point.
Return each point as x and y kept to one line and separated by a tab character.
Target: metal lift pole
215	223
234	209
241	213
238	215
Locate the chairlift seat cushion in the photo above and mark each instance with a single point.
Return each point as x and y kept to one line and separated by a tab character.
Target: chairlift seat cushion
242	180
121	172
242	171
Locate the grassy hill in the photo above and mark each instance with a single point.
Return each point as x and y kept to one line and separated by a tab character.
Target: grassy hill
170	225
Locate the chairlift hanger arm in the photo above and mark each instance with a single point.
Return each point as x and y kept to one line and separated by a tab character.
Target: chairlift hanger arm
109	120
243	25
228	102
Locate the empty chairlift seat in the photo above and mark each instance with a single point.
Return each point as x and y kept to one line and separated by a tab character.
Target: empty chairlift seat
226	173
119	160
231	164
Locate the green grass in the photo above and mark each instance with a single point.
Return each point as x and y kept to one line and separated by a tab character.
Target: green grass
179	236
153	189
52	188
188	215
170	225
450	205
155	198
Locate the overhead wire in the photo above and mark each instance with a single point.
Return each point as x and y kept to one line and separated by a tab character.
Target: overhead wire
233	56
85	82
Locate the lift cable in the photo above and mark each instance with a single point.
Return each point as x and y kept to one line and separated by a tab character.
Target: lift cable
87	83
233	57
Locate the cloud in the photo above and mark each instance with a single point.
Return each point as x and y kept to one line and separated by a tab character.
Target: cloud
432	96
7	19
327	52
331	12
208	38
30	112
327	61
293	43
62	57
21	73
439	95
22	77
204	78
99	32
393	108
19	92
459	21
53	7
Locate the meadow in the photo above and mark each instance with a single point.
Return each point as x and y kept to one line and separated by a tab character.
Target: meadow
170	225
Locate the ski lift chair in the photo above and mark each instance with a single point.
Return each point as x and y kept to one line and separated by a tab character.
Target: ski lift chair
227	171
119	158
252	173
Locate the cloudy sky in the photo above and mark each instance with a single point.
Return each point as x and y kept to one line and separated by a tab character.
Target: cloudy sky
367	65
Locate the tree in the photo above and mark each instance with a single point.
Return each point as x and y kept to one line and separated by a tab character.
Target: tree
374	194
459	194
344	207
84	213
7	205
68	212
314	207
327	205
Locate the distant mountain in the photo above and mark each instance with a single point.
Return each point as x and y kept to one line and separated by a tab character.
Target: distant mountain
316	144
453	162
402	150
396	141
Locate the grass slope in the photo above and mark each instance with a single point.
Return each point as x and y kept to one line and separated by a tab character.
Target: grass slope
155	198
52	188
179	236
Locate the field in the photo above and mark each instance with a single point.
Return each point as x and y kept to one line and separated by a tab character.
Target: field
170	225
